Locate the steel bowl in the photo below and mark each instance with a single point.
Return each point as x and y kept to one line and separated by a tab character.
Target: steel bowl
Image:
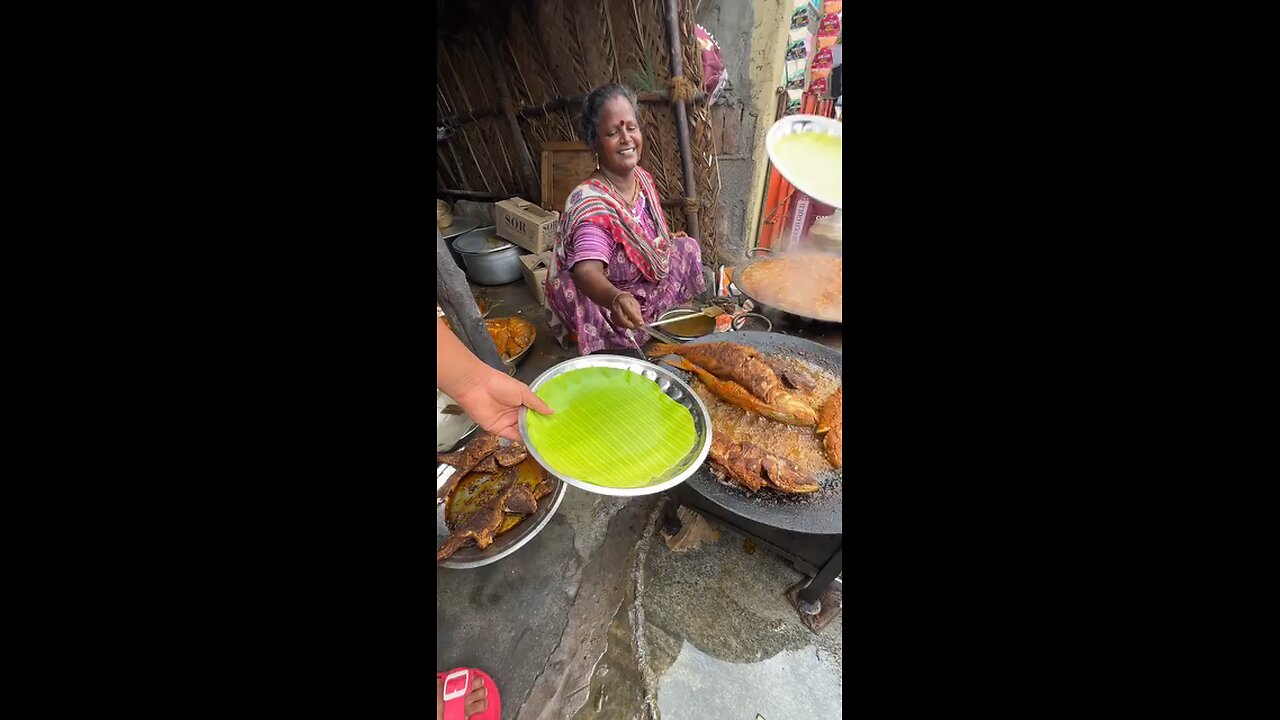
675	388
682	312
803	124
496	263
506	543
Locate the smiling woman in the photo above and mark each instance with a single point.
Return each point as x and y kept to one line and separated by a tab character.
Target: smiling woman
617	266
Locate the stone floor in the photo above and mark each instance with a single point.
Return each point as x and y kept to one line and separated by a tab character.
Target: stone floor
597	618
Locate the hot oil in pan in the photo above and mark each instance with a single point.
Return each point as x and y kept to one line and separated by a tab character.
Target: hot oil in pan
476	489
797	444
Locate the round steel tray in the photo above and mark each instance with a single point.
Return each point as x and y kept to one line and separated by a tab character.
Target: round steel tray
675	388
506	543
801	124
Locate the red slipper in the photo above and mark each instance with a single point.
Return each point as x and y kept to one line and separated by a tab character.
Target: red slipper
457	685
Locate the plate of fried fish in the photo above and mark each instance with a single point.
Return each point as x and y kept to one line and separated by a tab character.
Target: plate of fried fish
491	499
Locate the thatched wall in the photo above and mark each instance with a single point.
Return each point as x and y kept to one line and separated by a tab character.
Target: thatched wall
557	50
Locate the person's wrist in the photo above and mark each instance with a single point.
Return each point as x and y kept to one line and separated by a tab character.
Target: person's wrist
467	379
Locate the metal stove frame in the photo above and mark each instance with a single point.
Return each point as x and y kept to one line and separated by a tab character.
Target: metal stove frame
821	557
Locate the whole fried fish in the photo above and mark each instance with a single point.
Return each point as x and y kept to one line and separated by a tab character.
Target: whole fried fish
784	406
728	361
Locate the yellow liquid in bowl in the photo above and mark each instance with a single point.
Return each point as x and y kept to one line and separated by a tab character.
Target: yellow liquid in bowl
811	161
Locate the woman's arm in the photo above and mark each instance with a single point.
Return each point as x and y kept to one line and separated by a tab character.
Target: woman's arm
590	279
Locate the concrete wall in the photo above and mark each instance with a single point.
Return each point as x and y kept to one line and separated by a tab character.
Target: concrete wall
752	35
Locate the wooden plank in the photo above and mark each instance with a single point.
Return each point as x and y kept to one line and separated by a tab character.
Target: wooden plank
459	305
564	166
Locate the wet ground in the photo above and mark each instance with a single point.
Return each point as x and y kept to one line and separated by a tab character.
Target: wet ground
597	618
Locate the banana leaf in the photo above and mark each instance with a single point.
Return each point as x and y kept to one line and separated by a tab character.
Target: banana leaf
611	427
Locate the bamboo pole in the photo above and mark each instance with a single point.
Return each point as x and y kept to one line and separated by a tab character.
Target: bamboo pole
490	197
474	194
528	176
554	105
682	125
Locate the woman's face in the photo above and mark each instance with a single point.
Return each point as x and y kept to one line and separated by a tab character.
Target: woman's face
619	142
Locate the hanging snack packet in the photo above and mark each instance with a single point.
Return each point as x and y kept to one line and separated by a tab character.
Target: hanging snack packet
822	62
828	31
802	18
797	49
795	76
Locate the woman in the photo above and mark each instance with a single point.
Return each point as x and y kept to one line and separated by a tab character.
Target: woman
616	264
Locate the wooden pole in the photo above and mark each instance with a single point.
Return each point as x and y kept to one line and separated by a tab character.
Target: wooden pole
550	106
528	176
682	125
459	305
476	195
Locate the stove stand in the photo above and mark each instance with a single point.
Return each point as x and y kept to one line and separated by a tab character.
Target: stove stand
820	557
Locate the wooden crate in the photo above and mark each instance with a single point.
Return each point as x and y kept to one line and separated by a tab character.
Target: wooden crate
526	224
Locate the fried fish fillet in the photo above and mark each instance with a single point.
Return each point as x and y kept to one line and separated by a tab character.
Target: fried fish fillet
831	424
512	454
466	459
784	407
753	468
484	523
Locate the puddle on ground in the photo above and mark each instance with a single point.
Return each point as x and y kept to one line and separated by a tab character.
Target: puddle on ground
791	684
720	640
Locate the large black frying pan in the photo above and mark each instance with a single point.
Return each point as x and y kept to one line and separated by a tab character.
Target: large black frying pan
817	513
743	286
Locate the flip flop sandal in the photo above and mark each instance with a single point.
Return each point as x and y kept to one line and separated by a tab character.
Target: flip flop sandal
457	685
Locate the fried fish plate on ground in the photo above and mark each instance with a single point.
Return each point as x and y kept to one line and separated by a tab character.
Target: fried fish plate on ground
484	523
785	407
831	424
753	468
728	361
469	458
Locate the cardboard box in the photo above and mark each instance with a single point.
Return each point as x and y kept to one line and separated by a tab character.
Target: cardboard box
535	274
526	224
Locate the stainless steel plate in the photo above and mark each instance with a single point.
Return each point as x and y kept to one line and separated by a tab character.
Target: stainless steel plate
674	387
460	225
506	543
802	124
450	429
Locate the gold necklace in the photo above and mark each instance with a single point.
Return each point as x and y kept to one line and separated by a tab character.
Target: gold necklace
635	191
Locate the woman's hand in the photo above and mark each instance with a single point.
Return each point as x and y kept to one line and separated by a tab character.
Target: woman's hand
626	311
495	400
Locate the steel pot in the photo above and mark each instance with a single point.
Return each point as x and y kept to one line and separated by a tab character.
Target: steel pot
489	259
